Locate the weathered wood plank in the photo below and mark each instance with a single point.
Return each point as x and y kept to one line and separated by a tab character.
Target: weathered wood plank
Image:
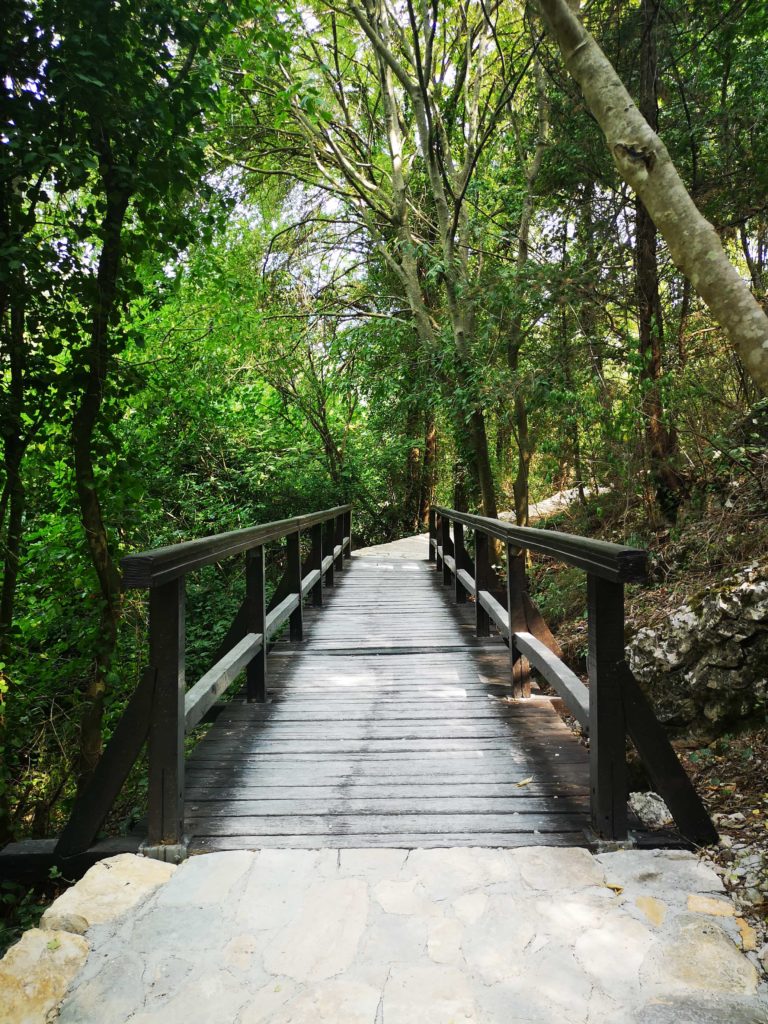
389	707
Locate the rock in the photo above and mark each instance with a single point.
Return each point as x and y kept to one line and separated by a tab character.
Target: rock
652	909
322	941
699	904
705	666
697	955
106	891
748	935
36	973
650	809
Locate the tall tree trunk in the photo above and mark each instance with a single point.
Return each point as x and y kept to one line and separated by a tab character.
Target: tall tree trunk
521	430
428	468
644	162
14	446
84	424
413	464
659	439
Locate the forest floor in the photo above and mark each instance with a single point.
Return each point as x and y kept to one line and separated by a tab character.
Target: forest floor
721	529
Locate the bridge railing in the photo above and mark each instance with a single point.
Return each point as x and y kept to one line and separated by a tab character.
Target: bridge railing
613	706
162	711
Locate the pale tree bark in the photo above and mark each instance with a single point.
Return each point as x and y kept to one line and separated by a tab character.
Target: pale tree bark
644	163
660	438
517	335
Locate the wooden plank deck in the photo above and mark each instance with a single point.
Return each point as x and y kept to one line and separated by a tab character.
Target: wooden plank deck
390	725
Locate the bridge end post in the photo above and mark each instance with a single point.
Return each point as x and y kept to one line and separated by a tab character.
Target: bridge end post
165	818
607	726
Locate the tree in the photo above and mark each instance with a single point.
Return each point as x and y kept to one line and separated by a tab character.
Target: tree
643	161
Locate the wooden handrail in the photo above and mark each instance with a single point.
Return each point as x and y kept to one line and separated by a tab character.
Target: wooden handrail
613	707
598	557
163	711
159	565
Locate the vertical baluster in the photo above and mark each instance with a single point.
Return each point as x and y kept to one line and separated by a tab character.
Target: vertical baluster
255	597
438	535
294	575
460	555
316	562
516	586
607	744
338	538
445	540
482	582
166	736
432	535
329	539
348	532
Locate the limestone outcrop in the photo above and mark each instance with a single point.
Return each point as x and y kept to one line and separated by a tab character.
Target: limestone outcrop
706	667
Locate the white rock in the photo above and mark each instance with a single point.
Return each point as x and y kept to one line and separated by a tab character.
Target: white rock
323	939
107	890
36	973
650	809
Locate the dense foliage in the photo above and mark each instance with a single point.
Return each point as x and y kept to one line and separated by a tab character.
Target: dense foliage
255	262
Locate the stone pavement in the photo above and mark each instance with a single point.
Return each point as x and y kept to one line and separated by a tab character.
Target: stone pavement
458	936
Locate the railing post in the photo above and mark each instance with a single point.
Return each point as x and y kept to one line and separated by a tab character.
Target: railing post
482	582
338	539
445	540
293	543
255	598
329	539
165	821
438	534
460	556
432	535
316	562
348	532
607	730
516	586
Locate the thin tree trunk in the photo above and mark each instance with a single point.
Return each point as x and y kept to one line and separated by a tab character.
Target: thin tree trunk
659	440
83	428
428	467
644	162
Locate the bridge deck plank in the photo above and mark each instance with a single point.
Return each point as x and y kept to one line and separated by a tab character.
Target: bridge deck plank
390	725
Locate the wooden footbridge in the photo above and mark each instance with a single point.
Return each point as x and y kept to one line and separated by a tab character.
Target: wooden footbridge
397	709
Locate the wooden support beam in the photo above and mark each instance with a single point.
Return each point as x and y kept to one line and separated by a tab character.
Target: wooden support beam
607	730
93	805
669	778
256	675
432	535
165	820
